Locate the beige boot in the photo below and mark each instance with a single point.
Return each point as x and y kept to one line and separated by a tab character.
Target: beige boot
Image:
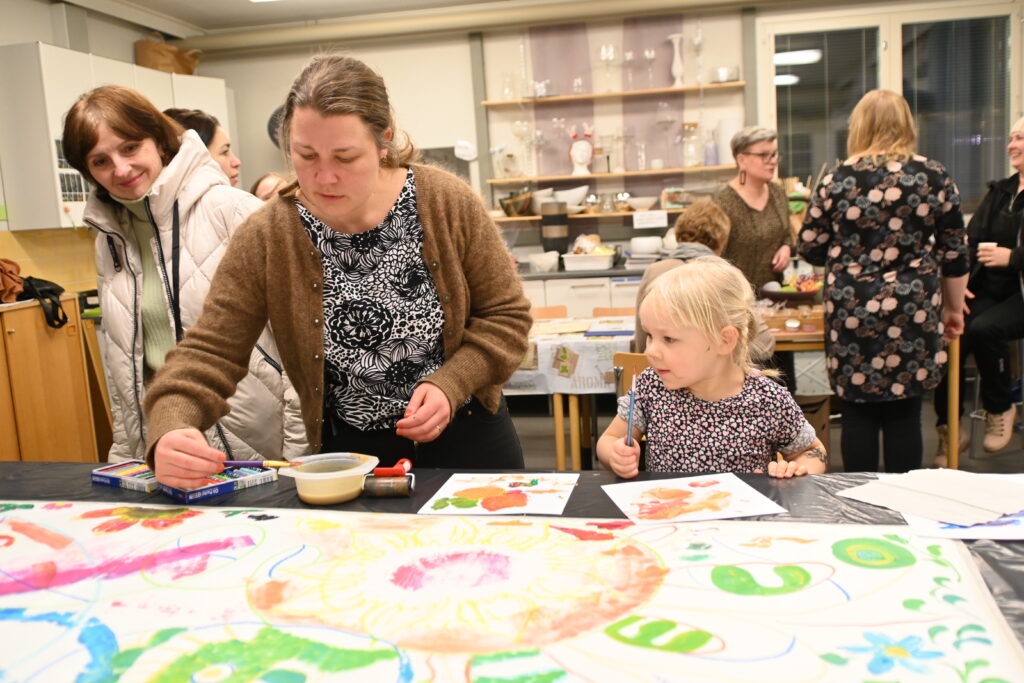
999	429
941	456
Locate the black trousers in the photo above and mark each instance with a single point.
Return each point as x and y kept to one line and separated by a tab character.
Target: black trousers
900	425
992	323
474	440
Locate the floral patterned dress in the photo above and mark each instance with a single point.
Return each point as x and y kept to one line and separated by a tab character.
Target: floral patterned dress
883	234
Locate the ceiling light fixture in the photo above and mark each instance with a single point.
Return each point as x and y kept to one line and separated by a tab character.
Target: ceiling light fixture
786	79
796	57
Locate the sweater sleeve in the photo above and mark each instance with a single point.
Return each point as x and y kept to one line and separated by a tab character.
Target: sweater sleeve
201	372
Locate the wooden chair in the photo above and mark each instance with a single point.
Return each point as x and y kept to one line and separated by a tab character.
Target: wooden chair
627	366
602	311
542	312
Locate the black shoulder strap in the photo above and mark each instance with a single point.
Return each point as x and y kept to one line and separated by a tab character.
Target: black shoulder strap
175	267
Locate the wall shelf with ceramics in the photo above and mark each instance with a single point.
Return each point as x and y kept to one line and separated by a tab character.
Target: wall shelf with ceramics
576	217
626	94
599	176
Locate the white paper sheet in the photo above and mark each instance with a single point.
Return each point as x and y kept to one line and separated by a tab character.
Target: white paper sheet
709	496
502	494
950	496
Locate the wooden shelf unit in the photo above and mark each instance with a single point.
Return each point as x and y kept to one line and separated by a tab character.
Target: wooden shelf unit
577	216
626	94
621	174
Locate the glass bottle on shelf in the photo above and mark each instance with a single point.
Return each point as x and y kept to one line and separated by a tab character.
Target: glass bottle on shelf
691	152
711	149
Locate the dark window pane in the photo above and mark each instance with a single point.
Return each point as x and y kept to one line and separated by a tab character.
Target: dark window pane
812	113
956	79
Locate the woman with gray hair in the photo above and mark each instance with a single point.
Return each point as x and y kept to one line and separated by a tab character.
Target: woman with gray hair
759	243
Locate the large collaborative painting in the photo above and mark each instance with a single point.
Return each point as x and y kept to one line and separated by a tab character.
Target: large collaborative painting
100	592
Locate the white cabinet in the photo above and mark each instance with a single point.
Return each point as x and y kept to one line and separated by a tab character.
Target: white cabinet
580	295
624	290
534	291
39	83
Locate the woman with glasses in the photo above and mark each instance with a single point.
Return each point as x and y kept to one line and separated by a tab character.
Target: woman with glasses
886	224
759	243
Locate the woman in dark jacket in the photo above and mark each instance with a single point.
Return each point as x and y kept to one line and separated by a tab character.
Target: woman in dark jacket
995	308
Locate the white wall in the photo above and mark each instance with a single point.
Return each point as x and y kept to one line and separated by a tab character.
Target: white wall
429	82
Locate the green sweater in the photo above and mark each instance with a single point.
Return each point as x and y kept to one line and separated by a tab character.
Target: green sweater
157	335
272	272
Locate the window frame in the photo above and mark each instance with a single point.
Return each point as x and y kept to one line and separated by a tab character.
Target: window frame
888	20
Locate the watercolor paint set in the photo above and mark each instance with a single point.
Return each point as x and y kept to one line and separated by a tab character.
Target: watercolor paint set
130	474
136	475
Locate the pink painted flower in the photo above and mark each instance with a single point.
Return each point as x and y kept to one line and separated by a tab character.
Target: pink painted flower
889	303
923	209
895	223
941	357
875	195
873	306
853	213
920	316
894	332
857	378
893	193
921	374
877	362
852	323
897	389
892	361
892	253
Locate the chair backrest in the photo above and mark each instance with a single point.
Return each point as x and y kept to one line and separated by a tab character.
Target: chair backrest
601	311
542	312
631	364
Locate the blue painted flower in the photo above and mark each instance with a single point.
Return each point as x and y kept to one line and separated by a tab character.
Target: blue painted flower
887	653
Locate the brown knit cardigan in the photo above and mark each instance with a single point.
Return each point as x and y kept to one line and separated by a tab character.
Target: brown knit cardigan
272	272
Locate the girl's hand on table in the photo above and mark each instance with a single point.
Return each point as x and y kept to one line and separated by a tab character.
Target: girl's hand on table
426	416
183	459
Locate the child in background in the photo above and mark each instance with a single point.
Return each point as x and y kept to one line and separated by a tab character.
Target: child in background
701	405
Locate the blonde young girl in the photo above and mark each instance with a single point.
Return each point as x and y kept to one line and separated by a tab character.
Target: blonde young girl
700	403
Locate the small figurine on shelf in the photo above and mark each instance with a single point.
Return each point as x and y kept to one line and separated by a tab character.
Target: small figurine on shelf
581	150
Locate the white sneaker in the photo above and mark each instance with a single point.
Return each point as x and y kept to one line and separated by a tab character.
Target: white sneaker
941	457
999	429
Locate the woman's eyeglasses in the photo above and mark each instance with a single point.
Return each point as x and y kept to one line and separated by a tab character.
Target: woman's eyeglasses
766	157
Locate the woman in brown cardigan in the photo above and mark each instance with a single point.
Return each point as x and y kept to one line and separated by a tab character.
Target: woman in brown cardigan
759	243
397	313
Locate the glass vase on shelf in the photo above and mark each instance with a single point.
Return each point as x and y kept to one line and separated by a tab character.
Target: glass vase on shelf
691	153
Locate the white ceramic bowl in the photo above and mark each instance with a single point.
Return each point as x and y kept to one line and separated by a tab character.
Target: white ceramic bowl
648	244
574	209
329	478
539	197
642	203
573	196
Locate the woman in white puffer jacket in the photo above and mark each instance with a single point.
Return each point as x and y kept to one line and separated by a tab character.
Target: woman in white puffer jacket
164	212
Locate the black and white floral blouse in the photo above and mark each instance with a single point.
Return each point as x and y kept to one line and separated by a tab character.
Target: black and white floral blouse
383	317
883	235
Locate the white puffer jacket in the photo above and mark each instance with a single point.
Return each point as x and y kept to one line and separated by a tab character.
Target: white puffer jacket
265	418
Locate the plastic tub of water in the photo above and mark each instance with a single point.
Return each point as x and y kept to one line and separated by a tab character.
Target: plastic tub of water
329	478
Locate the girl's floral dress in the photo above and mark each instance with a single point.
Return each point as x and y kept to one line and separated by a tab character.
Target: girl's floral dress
884	233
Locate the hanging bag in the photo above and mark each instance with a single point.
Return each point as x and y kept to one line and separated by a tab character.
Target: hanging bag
11	284
48	295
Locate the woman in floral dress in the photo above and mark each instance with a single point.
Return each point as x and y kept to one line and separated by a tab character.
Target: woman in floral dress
886	224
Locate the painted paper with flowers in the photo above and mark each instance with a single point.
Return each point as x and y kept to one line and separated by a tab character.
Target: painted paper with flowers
710	496
302	595
502	494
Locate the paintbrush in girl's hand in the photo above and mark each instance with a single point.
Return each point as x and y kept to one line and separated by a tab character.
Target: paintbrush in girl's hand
632	405
259	463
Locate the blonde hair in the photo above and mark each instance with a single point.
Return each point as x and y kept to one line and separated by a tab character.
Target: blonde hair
705	223
334	85
1018	126
882	128
710	294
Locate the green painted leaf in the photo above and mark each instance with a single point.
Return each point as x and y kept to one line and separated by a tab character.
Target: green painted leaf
953	599
897	538
464	502
694	558
983	641
974	664
941	580
968	628
936	630
833	658
935	551
914	604
440	504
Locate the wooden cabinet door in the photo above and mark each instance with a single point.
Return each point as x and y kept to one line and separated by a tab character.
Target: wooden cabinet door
46	368
9	449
